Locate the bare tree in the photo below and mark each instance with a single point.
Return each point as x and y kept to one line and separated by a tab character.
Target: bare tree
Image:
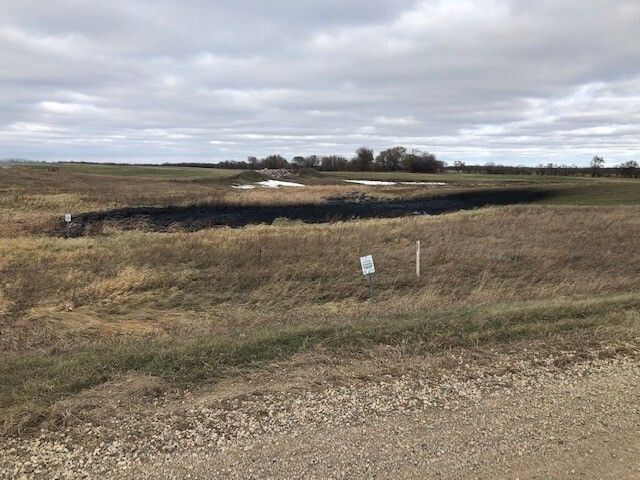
390	159
629	169
458	165
298	161
333	163
596	166
363	160
424	162
274	161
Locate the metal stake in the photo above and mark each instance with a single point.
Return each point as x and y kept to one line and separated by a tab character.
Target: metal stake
370	282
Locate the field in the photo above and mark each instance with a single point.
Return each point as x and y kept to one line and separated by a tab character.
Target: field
194	307
167	172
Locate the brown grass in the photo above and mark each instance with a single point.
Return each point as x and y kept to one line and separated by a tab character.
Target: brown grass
224	280
189	307
32	201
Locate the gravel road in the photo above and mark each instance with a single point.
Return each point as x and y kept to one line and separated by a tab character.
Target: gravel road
513	419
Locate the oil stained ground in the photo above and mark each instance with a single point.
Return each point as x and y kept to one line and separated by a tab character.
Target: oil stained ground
198	217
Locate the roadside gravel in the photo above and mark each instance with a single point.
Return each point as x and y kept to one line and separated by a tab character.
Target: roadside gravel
556	416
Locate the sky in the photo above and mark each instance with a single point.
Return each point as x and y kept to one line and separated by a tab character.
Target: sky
506	81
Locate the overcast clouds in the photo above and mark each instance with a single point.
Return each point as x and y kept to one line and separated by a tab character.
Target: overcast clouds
487	80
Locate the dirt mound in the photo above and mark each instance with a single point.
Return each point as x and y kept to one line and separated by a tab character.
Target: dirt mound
276	173
248	176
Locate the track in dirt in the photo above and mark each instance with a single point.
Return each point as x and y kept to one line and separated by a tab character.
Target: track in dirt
198	217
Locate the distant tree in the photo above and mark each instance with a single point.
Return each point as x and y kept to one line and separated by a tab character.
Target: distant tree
629	169
274	162
521	170
253	162
458	166
424	162
298	161
333	163
341	162
596	166
363	160
491	167
228	164
391	159
550	169
312	161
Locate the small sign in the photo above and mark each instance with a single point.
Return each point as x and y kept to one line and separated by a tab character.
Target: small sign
67	217
367	265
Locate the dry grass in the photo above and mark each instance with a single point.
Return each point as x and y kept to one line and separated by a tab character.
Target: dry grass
37	386
32	201
226	280
187	307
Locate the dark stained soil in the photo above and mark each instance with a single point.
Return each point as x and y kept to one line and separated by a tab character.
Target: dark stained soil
197	217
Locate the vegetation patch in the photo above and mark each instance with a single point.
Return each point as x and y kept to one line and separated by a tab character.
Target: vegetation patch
30	384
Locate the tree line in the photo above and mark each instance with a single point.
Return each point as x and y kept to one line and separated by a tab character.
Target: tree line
629	169
393	159
399	158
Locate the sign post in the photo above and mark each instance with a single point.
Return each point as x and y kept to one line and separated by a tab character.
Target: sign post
67	220
368	269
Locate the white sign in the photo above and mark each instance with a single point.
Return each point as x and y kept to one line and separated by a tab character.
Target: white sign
67	217
367	265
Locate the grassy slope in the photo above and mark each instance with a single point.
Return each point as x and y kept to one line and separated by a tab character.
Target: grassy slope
191	306
291	271
32	383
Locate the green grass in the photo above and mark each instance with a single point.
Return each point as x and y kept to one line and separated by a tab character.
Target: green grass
468	178
611	193
565	190
30	384
163	172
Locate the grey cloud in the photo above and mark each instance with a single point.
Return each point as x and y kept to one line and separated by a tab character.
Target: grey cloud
513	81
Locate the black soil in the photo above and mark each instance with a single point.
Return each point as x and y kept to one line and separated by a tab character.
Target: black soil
197	217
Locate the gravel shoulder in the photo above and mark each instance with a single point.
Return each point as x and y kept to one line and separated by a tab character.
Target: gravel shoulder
516	417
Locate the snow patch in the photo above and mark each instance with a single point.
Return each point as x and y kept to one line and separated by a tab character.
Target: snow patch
423	183
371	182
266	184
279	183
384	182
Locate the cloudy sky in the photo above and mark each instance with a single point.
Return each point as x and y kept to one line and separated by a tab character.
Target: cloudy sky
511	81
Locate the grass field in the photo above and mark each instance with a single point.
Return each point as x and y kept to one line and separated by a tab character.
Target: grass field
34	198
469	178
192	307
164	172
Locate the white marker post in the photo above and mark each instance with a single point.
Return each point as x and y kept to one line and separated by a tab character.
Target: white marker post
368	269
418	258
67	220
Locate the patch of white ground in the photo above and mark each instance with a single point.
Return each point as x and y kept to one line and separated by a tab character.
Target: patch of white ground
388	183
268	184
